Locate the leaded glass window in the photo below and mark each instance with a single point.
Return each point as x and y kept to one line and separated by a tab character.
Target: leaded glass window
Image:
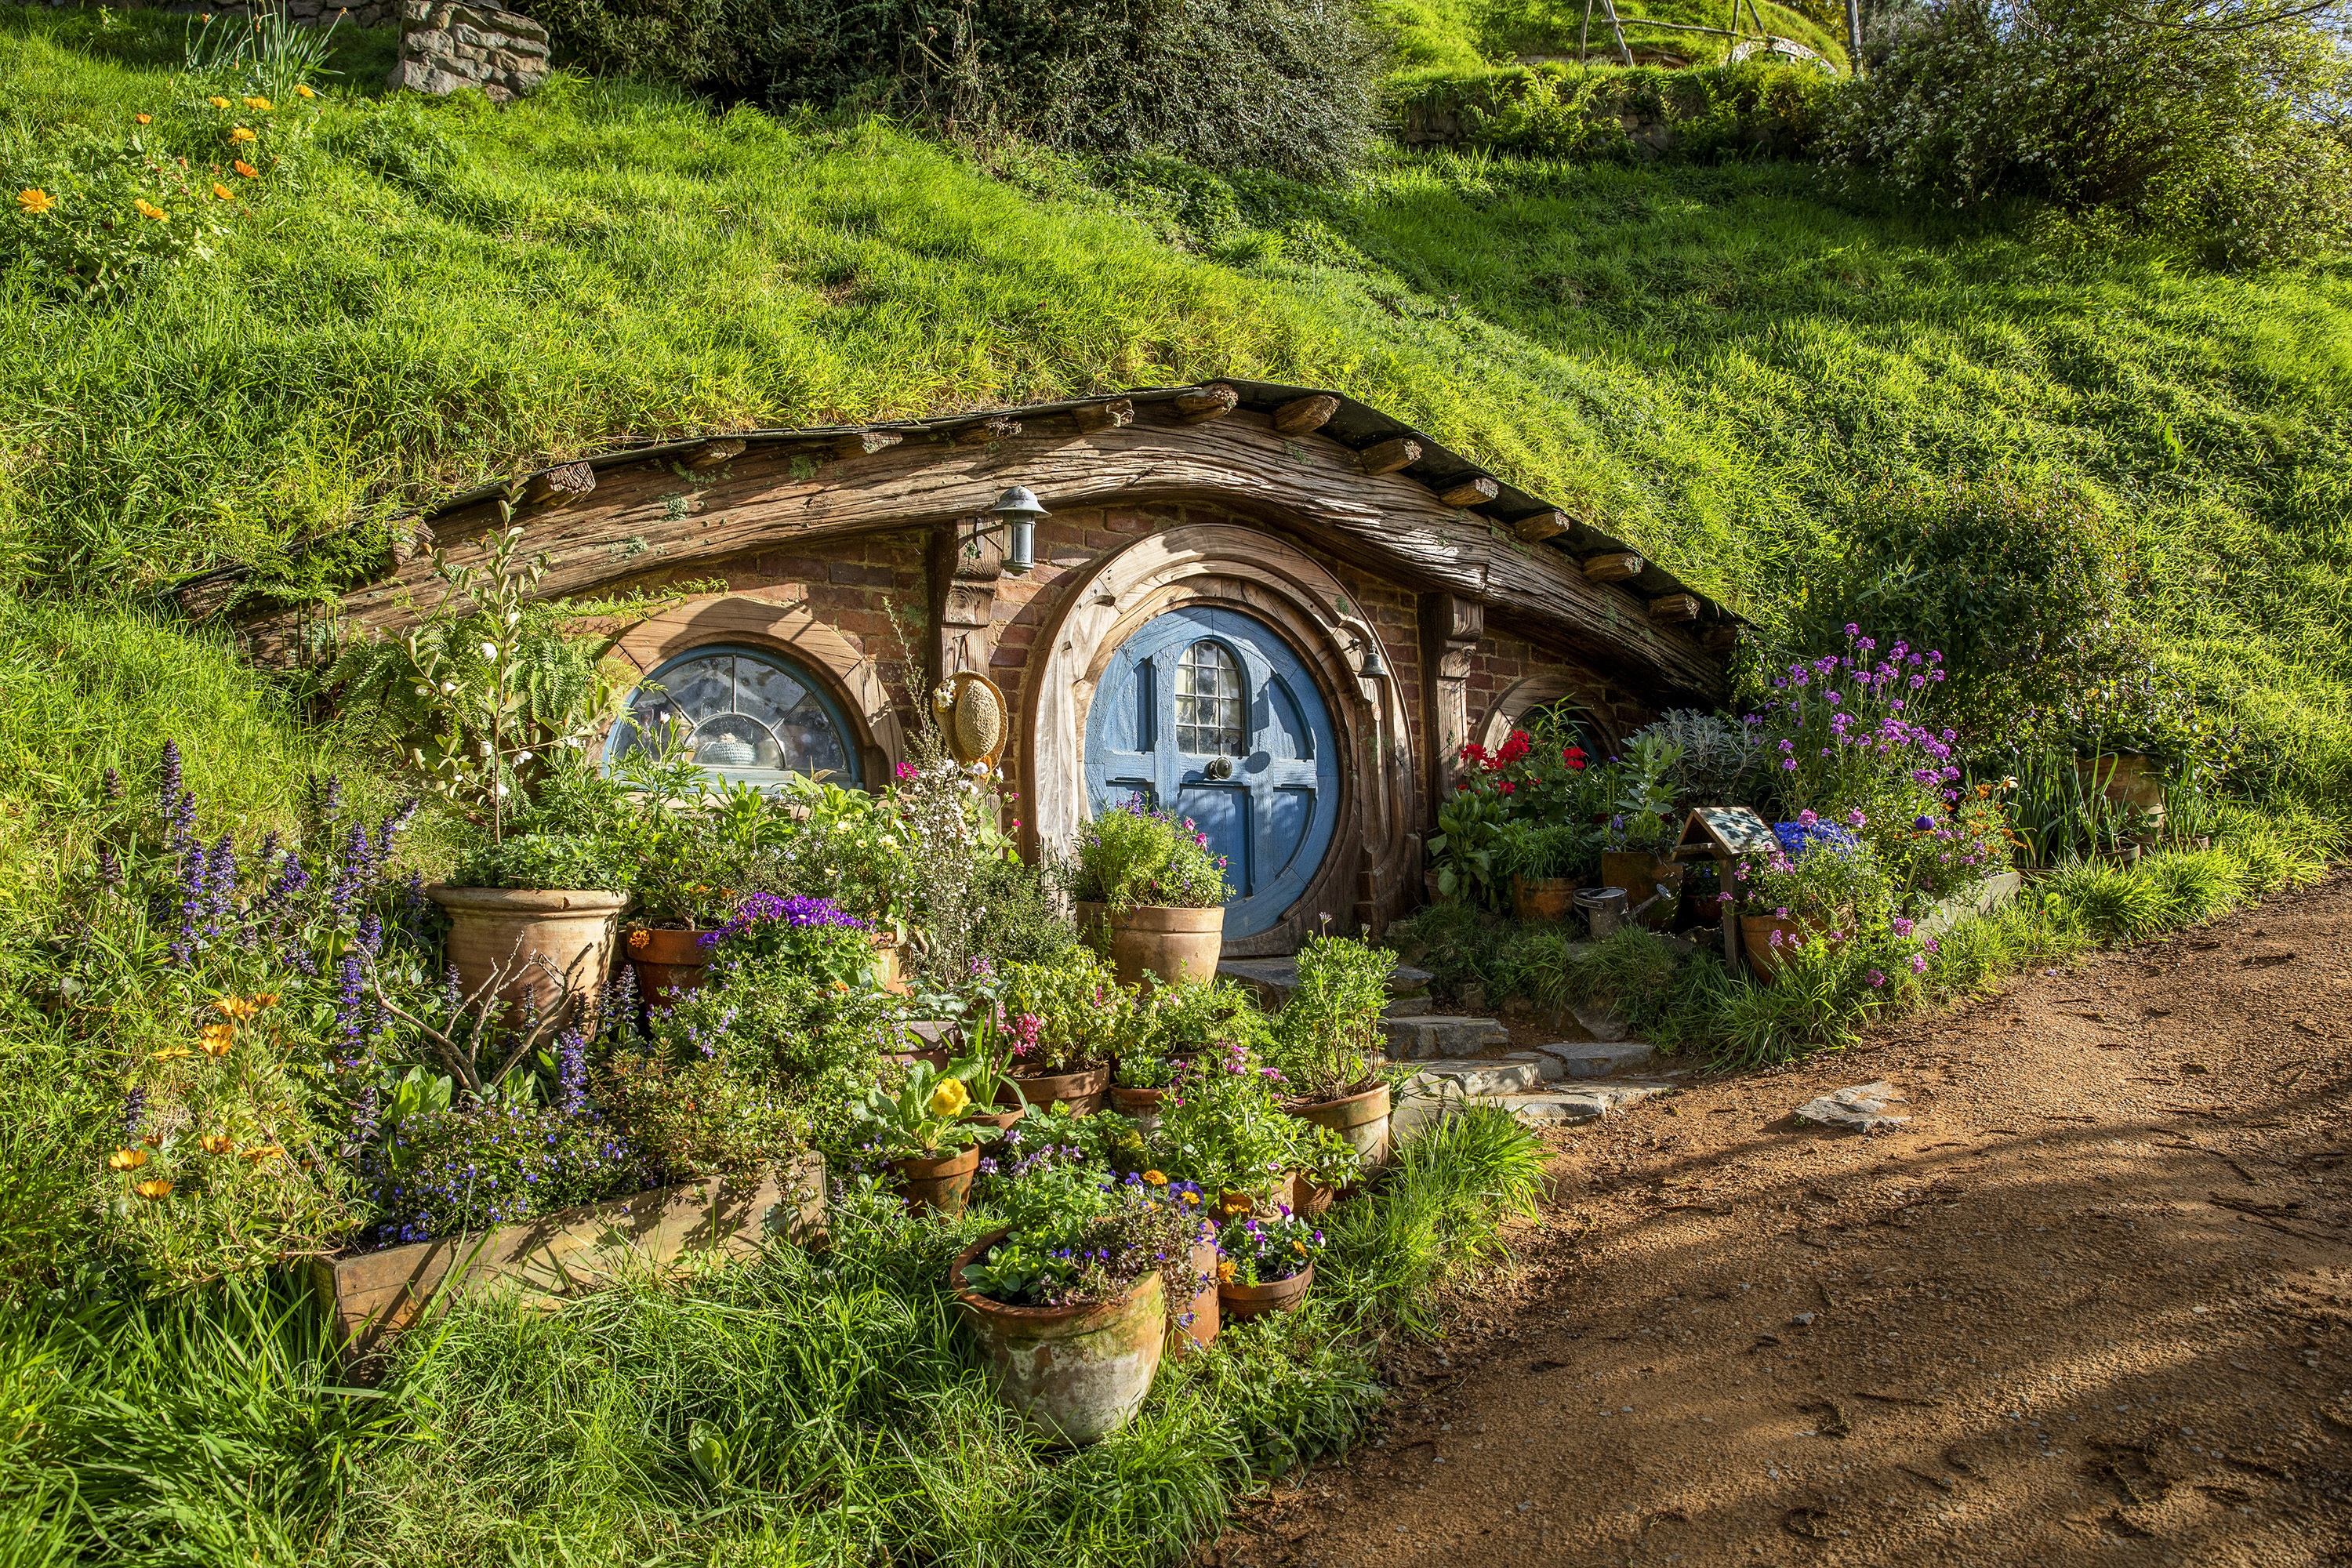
748	717
1208	701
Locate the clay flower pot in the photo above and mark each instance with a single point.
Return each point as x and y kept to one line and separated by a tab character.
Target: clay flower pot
1309	1196
1764	959
1362	1121
1206	1319
1638	872
888	967
1087	1092
1074	1374
1136	1102
552	947
2126	778
1175	944
1239	1303
939	1181
670	965
1542	898
998	1120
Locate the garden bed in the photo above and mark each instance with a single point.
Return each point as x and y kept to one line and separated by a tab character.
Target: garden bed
372	1296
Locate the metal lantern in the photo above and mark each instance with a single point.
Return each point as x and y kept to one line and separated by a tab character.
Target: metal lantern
1018	512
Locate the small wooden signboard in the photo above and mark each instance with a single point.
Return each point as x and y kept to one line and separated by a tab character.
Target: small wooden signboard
1723	834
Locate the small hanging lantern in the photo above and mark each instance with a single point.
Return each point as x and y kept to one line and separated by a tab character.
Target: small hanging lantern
1017	512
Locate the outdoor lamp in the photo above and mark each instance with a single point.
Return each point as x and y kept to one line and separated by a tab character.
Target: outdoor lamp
1017	512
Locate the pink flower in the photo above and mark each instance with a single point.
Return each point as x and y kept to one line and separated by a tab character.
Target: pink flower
1919	964
1876	978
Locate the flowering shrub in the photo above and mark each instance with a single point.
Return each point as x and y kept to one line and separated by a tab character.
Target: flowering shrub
443	1172
782	1026
1076	1238
1066	1016
1821	875
813	936
1130	856
1222	1123
1327	1035
1264	1250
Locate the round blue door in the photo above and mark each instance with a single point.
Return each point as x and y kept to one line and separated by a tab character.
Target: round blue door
1208	712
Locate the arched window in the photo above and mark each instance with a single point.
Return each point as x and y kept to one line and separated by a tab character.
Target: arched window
1209	719
749	716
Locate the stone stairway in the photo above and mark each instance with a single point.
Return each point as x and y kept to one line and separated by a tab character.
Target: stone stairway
1466	1061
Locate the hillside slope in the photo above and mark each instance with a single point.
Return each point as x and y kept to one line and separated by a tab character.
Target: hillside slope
1715	362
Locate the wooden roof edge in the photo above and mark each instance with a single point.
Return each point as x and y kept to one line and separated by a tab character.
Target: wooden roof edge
1353	424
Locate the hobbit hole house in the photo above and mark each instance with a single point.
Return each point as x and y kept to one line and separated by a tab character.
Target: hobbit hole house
1274	610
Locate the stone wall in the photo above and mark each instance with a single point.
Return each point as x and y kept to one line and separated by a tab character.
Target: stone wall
446	47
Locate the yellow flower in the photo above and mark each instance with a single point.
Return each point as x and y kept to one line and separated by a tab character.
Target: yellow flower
950	1098
35	200
259	105
1192	1198
126	1159
1300	1248
217	101
145	118
1224	1270
154	1189
640	937
264	1152
148	209
216	1144
302	91
242	135
1155	1178
247	169
170	1054
217	1038
222	192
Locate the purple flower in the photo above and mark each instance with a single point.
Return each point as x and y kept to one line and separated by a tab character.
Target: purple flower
1924	824
1876	978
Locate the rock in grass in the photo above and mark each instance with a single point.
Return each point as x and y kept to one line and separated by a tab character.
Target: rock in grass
1860	1109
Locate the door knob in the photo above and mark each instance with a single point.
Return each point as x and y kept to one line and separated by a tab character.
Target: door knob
1223	768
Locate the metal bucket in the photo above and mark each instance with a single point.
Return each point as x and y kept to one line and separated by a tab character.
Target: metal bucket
1603	909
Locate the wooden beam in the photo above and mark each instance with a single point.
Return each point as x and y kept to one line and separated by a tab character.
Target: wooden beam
1094	419
1674	608
1721	637
1613	568
864	444
1214	401
995	428
412	537
1389	455
1476	490
561	486
1543	525
712	452
1300	414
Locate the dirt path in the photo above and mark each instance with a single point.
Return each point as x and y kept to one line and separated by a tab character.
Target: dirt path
2092	1304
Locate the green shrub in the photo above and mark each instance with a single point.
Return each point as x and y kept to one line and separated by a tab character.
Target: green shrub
541	860
1226	84
2111	902
699	41
1710	114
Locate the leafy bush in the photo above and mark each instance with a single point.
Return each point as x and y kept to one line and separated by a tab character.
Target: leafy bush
699	1117
1228	84
541	860
1327	1035
1566	112
1066	1016
2214	125
698	41
1131	855
443	1172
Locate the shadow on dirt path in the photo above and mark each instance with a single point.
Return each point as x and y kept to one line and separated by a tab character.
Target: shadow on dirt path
2091	1304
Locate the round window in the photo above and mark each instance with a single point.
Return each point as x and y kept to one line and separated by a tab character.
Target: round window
748	716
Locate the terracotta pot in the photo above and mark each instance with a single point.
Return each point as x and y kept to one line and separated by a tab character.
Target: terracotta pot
999	1119
1136	1102
1175	944
670	965
1309	1196
1764	959
1074	1373
1206	1319
1239	1303
889	972
940	1183
1637	871
1542	898
2126	778
552	947
1362	1121
937	1055
1087	1092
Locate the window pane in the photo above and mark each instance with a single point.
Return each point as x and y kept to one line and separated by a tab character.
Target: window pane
1209	702
745	716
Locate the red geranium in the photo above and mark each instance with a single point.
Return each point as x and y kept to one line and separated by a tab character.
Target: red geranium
1513	749
1574	758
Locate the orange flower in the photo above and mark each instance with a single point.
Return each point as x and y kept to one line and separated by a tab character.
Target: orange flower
218	1038
154	1189
260	105
153	1140
222	192
216	1144
149	209
264	1152
247	169
34	200
242	135
145	118
217	101
126	1159
302	91
640	937
1224	1270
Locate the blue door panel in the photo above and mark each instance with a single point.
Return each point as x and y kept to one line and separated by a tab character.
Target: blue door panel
1272	814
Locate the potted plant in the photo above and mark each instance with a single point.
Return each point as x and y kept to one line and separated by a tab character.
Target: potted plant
1548	864
921	1137
1326	1042
1636	841
1806	890
1137	1084
1064	1019
680	852
985	1075
1267	1264
1221	1122
531	920
1074	1297
1149	892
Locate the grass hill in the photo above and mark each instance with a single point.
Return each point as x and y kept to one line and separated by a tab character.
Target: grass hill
1464	34
1716	362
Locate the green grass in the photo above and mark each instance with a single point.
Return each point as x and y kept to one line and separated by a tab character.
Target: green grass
1462	34
836	1408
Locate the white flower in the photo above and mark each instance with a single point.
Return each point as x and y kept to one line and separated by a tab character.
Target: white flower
490	651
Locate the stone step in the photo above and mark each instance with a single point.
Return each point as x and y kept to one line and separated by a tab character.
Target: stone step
1600	1058
1474	1077
1407	1007
1275	978
1427	1099
1428	1038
